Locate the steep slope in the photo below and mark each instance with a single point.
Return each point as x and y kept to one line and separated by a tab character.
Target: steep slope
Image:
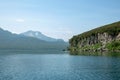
14	41
105	38
39	35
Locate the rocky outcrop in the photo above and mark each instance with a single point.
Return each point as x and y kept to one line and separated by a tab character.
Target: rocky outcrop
100	39
118	37
103	38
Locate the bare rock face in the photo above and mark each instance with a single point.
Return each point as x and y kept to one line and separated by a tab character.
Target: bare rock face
118	37
104	38
100	38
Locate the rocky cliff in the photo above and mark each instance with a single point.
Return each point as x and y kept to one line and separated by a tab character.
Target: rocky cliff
105	38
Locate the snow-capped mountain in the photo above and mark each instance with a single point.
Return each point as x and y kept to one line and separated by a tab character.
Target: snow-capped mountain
9	40
39	35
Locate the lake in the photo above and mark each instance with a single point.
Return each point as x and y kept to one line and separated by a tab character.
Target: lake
30	65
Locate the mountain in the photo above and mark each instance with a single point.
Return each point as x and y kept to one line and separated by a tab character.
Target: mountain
39	35
105	38
9	40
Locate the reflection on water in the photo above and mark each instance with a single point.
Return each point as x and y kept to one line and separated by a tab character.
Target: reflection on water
57	67
112	54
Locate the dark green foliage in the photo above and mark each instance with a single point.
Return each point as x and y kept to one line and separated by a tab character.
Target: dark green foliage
111	29
114	45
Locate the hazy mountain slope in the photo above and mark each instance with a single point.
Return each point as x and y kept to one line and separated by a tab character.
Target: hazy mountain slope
39	35
14	41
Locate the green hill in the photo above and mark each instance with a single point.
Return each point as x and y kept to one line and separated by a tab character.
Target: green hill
104	38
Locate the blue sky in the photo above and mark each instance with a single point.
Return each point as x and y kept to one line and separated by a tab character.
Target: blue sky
57	18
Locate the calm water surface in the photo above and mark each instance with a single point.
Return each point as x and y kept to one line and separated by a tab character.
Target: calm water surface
23	66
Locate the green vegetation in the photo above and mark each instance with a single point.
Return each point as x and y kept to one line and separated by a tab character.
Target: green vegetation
112	29
89	41
86	48
113	46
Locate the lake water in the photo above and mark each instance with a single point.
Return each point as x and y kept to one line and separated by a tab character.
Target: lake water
19	65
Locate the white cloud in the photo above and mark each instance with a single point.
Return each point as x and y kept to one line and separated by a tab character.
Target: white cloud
20	20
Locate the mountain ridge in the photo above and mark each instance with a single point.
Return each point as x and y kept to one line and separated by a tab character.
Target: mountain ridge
39	35
10	40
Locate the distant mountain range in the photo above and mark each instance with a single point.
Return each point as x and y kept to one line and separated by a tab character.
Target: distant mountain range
29	40
39	35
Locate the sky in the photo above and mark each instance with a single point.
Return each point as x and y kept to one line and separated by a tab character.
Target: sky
57	18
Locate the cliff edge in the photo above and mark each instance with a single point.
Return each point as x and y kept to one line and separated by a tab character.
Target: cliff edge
105	38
